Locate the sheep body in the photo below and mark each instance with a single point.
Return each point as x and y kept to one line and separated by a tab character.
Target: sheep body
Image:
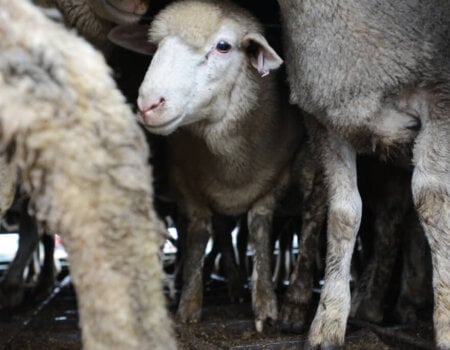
373	73
83	160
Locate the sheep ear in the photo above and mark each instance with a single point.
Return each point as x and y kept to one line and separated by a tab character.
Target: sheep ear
261	54
133	37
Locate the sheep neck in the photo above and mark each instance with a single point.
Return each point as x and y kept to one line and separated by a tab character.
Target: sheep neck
245	123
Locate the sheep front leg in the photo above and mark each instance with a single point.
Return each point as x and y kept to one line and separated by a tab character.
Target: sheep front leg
431	193
344	216
198	234
264	300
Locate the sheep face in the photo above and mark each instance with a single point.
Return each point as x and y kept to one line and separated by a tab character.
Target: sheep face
198	68
119	11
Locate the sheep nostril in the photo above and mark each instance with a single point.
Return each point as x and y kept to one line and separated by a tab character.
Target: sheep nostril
145	108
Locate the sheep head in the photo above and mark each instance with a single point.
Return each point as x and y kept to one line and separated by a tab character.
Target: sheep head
207	52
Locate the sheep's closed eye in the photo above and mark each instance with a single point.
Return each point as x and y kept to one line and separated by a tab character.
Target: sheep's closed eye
223	47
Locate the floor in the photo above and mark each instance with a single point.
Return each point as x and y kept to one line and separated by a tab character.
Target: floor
53	324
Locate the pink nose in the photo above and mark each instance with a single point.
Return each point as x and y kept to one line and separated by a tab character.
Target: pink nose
146	109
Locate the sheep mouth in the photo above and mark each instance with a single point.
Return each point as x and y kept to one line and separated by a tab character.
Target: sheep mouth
165	124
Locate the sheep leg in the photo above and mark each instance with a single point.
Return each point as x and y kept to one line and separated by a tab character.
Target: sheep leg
415	289
431	193
344	217
198	234
47	276
264	300
298	296
242	243
368	298
12	285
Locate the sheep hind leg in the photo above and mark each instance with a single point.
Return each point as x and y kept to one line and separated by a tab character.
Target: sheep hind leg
369	296
431	192
344	215
298	297
415	289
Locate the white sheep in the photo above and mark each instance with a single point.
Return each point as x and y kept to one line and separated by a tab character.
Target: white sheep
83	160
231	142
374	73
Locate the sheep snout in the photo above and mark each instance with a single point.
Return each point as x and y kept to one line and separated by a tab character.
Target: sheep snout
150	111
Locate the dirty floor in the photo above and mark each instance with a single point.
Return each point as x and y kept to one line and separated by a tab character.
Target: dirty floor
53	324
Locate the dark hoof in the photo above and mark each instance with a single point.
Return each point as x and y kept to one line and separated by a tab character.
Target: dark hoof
292	327
293	317
191	316
268	326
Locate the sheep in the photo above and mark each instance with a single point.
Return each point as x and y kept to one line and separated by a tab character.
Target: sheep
93	19
232	144
83	159
375	74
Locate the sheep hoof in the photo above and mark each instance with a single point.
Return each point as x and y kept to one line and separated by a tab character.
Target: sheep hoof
293	317
259	324
292	327
189	315
266	310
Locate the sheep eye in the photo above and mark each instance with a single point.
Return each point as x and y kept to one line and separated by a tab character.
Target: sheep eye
223	47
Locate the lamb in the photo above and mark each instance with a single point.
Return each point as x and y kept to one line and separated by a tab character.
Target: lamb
232	143
83	160
375	74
